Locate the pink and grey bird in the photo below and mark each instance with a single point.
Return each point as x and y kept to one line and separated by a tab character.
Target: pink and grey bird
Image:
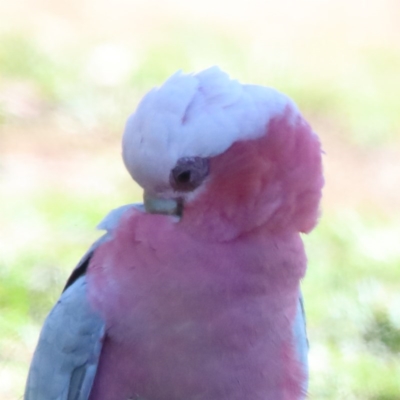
194	295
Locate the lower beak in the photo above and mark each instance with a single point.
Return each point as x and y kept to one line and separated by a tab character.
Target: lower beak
157	205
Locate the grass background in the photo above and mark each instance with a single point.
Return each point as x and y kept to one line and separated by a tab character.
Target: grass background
70	74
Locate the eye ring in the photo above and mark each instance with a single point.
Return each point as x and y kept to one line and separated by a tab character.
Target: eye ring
189	173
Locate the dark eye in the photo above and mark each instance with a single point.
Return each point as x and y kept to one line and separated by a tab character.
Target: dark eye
189	173
183	177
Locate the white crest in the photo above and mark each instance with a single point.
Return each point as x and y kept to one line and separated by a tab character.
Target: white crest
194	115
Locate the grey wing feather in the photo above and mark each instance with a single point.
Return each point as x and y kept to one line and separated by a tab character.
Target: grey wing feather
300	334
65	361
111	220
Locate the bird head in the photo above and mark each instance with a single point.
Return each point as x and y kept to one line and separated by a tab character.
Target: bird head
225	157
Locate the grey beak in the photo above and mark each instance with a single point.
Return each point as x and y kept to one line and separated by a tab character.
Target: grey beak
156	205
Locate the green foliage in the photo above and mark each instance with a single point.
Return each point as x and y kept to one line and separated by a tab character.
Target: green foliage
382	333
350	277
21	59
364	99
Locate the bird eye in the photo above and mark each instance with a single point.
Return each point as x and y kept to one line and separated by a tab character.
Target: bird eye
189	173
183	177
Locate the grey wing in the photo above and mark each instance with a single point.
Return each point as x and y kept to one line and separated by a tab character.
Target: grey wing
65	361
300	334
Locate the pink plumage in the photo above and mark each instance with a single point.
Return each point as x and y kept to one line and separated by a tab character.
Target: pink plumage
194	295
192	318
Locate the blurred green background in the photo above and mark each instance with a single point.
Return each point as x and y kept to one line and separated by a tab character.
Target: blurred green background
70	74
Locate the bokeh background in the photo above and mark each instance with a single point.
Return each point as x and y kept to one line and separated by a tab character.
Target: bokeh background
71	72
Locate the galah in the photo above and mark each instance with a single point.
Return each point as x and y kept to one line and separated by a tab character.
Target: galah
194	294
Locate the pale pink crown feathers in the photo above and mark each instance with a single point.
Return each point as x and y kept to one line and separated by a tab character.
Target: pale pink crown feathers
275	173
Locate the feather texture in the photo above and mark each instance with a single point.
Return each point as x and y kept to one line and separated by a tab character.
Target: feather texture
65	361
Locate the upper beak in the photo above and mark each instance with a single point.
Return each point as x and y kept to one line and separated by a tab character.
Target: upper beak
157	205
